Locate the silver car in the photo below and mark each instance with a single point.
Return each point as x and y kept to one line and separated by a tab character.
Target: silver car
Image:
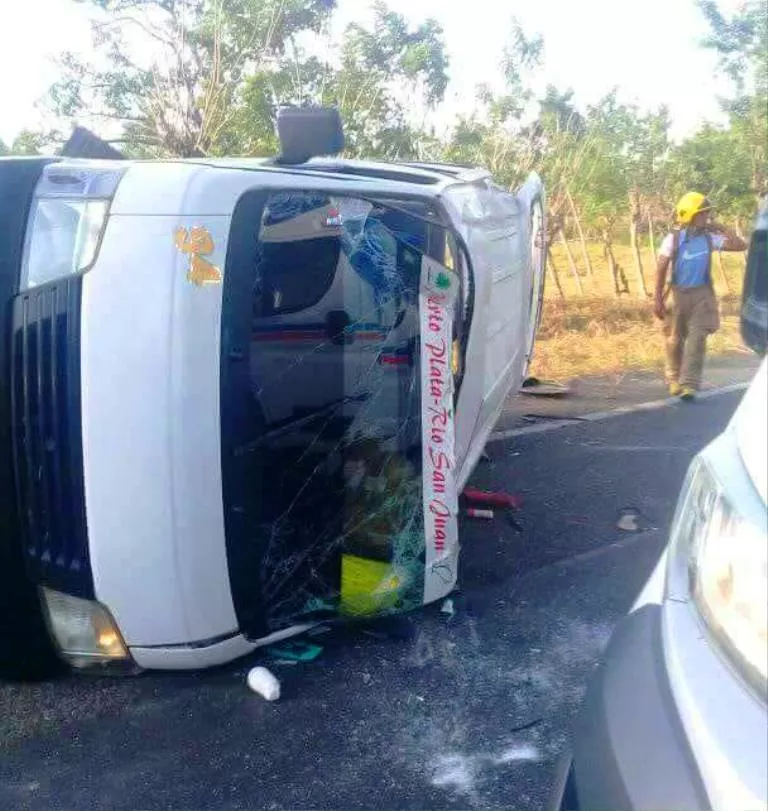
676	717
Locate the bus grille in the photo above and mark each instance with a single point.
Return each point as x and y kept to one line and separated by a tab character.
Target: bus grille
47	435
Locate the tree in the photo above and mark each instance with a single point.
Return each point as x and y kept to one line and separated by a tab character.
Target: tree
174	71
493	134
557	113
383	80
216	71
628	171
741	44
716	162
563	155
29	142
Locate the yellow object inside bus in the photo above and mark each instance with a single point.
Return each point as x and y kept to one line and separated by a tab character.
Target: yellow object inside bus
368	586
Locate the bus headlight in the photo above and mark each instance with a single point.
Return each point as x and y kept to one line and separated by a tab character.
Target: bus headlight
84	630
67	220
64	237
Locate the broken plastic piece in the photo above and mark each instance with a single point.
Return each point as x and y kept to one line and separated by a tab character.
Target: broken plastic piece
295	651
261	681
473	512
628	521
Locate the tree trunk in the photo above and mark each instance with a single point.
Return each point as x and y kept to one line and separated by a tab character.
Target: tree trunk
723	277
634	204
622	284
651	239
584	252
617	275
572	263
553	271
740	233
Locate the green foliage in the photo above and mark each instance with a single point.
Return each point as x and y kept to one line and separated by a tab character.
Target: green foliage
216	71
210	75
378	78
557	114
493	135
741	43
29	142
181	92
715	162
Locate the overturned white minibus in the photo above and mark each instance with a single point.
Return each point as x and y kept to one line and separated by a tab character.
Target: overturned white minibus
240	397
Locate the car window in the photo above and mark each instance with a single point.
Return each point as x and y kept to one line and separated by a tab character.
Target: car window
305	238
297	254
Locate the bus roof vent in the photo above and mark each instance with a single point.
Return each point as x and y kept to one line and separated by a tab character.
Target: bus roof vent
308	132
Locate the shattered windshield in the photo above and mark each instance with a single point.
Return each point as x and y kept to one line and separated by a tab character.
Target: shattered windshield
327	458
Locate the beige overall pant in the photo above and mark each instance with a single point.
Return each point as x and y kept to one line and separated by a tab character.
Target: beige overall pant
692	317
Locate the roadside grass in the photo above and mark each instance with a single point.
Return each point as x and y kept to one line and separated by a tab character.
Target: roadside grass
597	333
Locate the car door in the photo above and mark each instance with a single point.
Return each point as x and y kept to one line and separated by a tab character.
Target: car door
508	287
493	221
502	231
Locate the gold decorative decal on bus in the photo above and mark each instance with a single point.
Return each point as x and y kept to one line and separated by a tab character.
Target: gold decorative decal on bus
197	243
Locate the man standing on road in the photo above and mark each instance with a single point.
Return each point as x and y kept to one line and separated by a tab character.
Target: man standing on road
694	313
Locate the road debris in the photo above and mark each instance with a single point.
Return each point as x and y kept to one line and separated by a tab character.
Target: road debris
513	522
263	682
628	522
524	752
448	607
474	512
543	388
295	651
493	499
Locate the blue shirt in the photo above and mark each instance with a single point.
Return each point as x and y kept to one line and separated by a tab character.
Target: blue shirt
693	256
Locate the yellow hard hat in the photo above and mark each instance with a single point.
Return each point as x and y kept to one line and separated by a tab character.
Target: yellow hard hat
689	205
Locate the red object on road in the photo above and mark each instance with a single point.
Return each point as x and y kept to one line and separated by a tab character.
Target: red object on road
507	500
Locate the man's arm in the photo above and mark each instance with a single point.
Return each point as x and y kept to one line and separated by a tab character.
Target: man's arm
661	279
731	240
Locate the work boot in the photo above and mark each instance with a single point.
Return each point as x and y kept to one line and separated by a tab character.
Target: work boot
675	389
687	394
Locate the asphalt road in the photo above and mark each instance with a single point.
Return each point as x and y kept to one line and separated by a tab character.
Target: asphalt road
438	711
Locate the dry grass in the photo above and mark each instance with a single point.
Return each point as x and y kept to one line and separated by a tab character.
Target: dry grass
596	333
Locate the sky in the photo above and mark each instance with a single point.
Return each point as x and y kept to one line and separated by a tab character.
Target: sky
649	49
